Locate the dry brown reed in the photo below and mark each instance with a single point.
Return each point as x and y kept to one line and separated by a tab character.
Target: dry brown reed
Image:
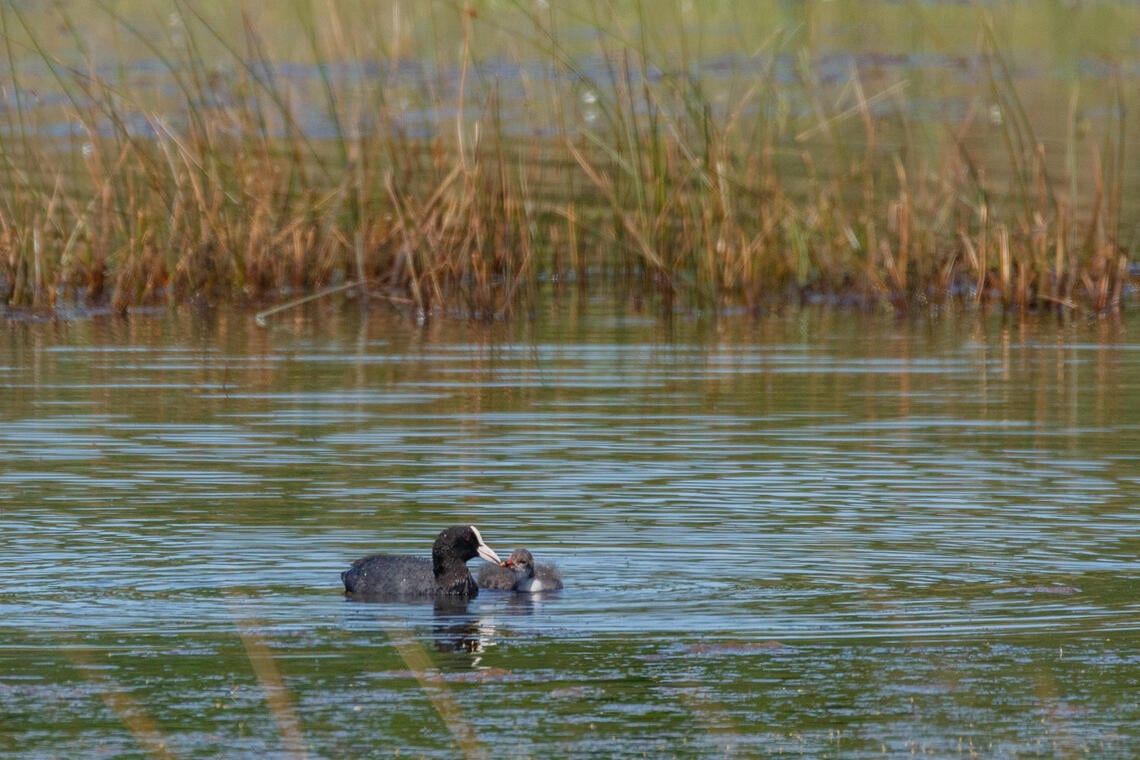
229	197
277	696
122	703
431	682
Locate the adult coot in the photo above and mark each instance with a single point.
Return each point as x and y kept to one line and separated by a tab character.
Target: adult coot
445	574
520	573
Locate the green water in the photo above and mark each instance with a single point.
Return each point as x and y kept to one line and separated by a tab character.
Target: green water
825	534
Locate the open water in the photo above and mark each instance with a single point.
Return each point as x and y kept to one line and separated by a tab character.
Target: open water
818	534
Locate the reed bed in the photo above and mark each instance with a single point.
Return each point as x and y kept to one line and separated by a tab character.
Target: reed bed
223	178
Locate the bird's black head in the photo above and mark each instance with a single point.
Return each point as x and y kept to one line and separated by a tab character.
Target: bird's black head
464	542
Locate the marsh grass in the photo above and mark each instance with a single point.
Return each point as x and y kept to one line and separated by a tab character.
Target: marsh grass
243	184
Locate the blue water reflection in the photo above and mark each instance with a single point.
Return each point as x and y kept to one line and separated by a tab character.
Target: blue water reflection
720	508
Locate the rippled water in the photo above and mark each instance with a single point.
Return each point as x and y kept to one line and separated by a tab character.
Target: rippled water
824	534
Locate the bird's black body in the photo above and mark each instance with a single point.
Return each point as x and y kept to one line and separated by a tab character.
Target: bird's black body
445	574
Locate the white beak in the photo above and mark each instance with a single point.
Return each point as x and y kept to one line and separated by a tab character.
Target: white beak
488	554
485	551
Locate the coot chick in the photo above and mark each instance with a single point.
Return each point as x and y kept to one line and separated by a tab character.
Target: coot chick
445	574
520	573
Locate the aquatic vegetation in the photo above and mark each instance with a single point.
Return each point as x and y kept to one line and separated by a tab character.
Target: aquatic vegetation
460	161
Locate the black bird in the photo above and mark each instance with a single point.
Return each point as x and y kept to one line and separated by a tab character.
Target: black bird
520	573
400	575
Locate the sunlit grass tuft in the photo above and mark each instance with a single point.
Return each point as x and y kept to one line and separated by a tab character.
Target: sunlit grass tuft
618	162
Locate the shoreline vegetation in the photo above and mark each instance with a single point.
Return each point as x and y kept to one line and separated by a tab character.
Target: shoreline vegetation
462	162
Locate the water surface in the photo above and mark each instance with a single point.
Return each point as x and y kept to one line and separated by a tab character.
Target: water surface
823	534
